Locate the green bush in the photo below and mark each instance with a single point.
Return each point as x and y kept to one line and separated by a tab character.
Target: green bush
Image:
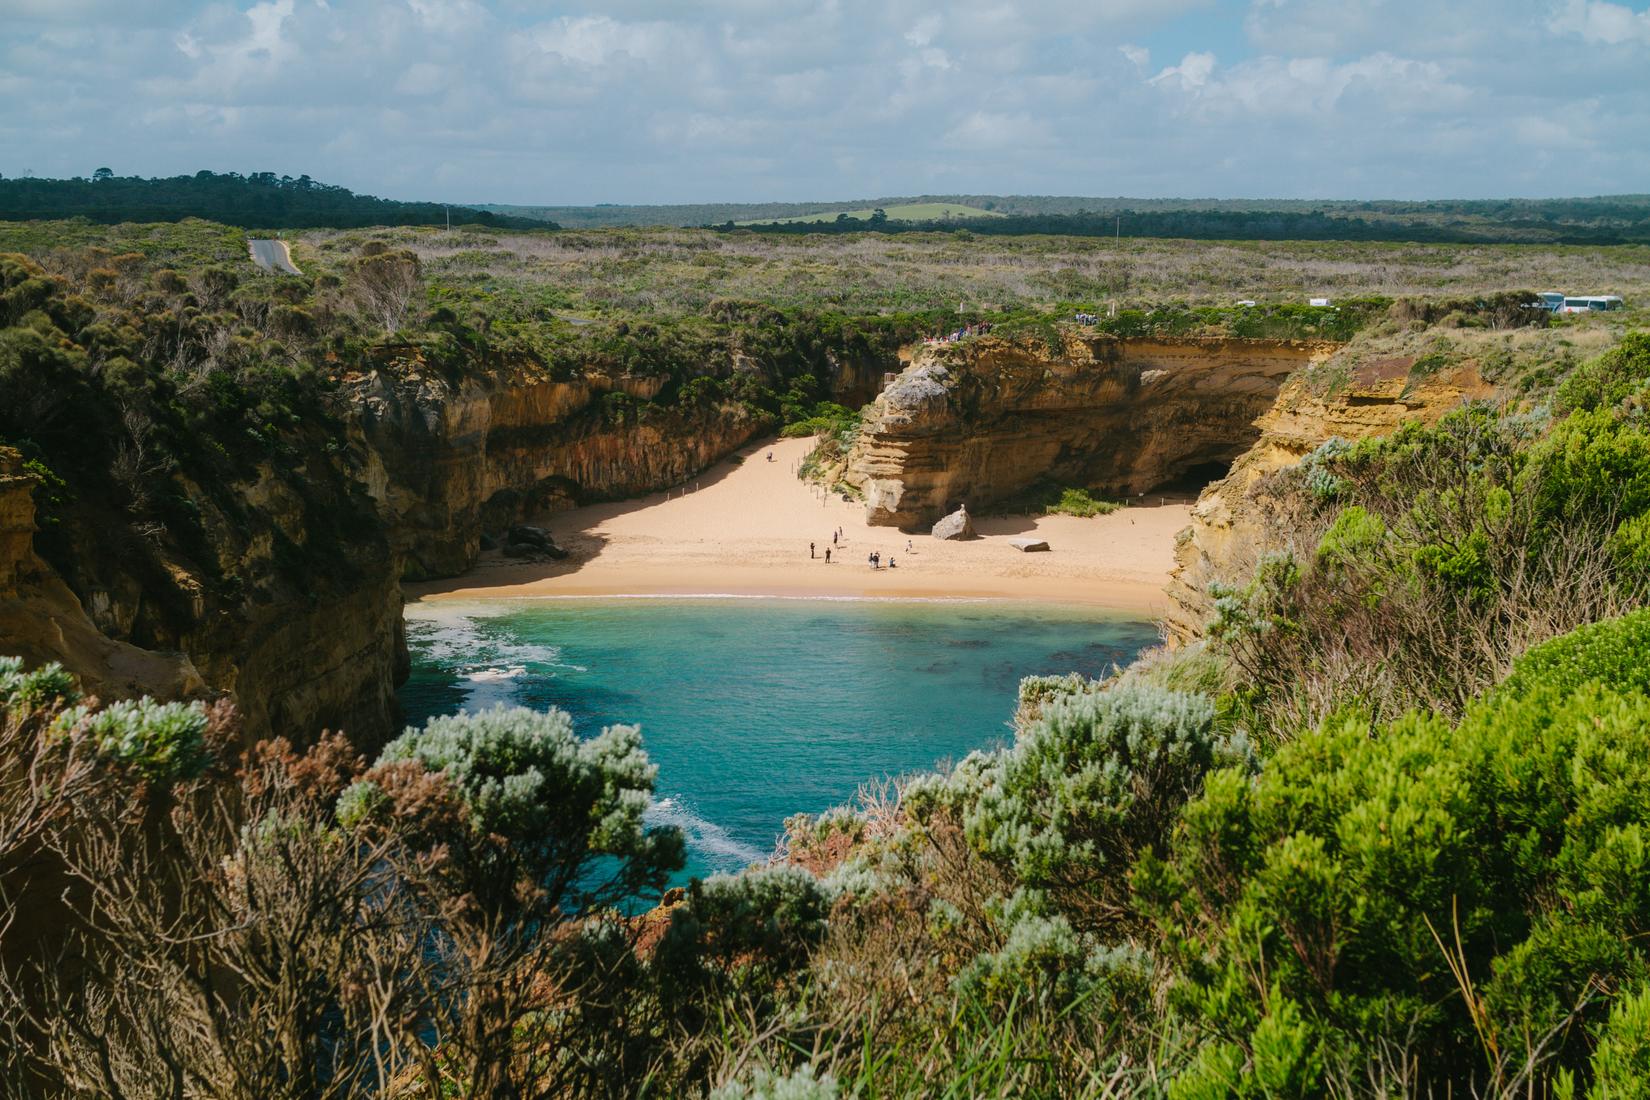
1078	502
764	920
47	685
162	741
1369	876
1621	1064
1090	782
763	1084
1610	652
1608	380
540	805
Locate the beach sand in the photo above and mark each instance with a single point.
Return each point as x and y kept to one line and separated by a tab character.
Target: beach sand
743	528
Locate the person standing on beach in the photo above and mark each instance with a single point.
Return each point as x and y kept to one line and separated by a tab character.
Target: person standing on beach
810	551
827	555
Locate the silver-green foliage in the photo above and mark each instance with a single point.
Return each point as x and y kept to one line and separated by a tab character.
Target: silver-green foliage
161	740
1094	779
46	684
763	921
552	806
763	1084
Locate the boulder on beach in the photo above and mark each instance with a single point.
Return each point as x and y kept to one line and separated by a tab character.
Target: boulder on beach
523	541
955	526
1028	546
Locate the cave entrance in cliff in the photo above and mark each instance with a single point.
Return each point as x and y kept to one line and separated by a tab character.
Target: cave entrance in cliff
1192	480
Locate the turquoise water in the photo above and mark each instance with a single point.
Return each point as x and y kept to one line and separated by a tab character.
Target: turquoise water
755	709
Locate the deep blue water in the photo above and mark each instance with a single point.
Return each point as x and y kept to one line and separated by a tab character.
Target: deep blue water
755	709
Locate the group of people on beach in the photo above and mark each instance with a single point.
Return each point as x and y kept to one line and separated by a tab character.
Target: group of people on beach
837	538
978	328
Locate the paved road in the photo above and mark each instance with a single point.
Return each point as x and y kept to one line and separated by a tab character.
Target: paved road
272	256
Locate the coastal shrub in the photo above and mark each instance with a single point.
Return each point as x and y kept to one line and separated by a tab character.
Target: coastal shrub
1609	379
762	1084
1372	877
1090	782
50	683
238	938
764	920
537	803
1612	651
1078	502
161	740
1621	1064
511	829
1441	555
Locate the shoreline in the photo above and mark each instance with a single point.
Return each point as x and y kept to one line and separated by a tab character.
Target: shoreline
741	530
1122	596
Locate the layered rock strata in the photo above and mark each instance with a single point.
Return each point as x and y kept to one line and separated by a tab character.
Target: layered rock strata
447	461
288	596
1229	528
984	420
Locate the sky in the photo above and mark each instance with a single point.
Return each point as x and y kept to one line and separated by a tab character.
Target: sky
661	101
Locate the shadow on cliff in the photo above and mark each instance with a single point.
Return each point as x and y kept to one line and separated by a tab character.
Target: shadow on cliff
579	530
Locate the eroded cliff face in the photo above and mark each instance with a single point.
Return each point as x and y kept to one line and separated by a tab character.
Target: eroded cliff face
449	461
287	595
282	598
1230	530
986	419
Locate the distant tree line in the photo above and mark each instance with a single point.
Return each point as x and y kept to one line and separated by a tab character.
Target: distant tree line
1560	222
261	200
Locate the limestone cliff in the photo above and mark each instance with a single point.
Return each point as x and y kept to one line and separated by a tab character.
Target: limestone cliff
449	460
42	620
983	420
279	594
286	591
1229	528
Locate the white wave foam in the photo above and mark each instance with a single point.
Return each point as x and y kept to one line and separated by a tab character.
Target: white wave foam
791	598
707	838
492	670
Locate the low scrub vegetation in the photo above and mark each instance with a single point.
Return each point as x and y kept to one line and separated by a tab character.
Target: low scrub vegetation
1381	833
1134	898
1080	503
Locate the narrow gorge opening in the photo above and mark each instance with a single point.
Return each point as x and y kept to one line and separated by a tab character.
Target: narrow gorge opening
1193	479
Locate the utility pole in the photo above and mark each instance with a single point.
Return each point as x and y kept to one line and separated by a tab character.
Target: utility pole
449	211
1119	238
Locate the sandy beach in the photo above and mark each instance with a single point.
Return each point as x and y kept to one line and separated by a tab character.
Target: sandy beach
743	528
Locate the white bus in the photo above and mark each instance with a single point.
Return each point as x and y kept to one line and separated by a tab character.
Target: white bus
1590	303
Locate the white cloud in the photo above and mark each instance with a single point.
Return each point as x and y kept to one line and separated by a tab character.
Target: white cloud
993	130
1602	22
641	100
1191	74
593	41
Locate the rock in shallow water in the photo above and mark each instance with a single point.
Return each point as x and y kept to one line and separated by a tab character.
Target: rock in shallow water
955	526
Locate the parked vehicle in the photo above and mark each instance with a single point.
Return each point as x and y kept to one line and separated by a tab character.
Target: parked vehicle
1590	303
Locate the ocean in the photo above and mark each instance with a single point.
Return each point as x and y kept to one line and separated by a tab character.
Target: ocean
755	708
